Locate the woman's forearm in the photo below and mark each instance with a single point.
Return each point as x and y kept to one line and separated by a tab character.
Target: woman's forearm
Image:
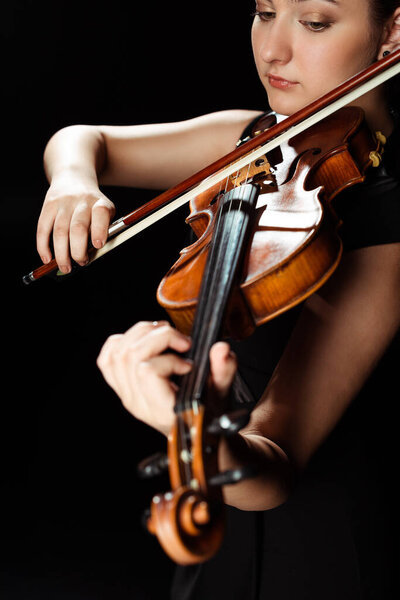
275	473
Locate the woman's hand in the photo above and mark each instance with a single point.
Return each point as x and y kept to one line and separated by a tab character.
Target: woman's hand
73	208
138	366
78	157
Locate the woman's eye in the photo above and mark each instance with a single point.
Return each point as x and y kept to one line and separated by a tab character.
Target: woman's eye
315	25
263	15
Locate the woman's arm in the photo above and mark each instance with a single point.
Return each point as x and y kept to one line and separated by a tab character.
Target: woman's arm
341	334
79	158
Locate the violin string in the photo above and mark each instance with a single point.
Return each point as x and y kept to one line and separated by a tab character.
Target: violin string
216	258
213	259
221	251
233	225
187	421
225	182
191	402
190	407
194	382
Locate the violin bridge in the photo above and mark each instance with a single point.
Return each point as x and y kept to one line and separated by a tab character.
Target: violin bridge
259	167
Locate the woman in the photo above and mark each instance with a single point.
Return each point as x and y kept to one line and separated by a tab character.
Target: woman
321	355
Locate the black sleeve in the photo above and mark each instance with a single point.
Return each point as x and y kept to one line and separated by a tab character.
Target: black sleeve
246	133
370	211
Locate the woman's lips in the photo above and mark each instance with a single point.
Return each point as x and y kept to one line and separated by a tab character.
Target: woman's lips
280	83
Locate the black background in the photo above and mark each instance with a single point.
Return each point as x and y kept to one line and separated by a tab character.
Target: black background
71	499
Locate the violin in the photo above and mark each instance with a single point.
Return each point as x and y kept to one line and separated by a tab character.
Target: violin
265	242
267	238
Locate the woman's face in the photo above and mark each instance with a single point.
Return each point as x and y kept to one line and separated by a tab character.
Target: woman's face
305	48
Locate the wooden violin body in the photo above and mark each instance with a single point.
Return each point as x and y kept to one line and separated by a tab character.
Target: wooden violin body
295	246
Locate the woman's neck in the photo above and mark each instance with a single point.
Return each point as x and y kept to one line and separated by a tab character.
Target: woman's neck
376	111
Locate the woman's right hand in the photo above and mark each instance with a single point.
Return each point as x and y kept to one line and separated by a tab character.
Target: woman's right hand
73	209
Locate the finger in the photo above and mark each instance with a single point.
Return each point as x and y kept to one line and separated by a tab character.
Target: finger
155	404
137	345
61	240
149	339
79	233
223	366
143	328
136	332
102	213
105	359
164	366
43	232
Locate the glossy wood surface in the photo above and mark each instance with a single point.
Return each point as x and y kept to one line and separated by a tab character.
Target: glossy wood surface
295	246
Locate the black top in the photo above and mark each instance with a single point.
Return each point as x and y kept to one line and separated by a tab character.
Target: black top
337	536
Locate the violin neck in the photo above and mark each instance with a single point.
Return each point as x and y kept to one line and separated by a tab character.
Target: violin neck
225	256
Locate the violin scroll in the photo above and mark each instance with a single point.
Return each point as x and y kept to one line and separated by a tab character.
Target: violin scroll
189	520
188	527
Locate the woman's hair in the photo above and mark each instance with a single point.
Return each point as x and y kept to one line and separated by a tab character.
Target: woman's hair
381	11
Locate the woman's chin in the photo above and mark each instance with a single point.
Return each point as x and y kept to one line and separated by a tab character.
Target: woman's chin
283	107
285	103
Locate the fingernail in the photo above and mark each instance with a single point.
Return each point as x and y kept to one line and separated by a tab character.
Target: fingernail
98	244
65	269
45	259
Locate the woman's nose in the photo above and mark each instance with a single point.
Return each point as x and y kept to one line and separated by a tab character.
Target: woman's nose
275	43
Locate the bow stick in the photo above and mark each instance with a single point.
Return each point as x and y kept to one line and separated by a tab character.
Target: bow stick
130	225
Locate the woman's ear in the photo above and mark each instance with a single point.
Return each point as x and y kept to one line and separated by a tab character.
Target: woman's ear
391	36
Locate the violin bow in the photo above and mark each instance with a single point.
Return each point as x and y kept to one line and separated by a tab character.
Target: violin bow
136	221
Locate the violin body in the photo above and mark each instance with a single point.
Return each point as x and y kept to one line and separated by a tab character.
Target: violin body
295	245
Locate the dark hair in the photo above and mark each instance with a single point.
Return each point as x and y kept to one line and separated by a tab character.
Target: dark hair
381	11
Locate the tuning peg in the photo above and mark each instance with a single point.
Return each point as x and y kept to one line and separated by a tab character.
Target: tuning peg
233	476
229	423
154	465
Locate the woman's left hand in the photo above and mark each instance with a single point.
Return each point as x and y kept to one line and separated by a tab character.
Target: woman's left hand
138	366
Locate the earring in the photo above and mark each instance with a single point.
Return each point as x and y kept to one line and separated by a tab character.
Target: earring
386	53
